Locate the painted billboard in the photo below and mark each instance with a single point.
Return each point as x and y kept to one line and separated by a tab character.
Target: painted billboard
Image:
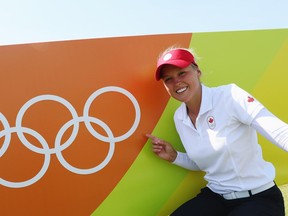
74	114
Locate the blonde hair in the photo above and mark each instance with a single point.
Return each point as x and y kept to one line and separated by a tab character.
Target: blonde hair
173	47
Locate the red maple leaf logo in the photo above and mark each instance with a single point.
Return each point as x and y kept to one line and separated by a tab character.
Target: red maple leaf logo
210	120
250	99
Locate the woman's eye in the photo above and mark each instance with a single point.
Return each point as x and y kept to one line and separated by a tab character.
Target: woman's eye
167	79
182	73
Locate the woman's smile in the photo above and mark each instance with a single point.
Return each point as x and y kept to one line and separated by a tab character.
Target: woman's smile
181	90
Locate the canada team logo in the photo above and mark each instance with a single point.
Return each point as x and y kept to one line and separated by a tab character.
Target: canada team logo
211	122
250	99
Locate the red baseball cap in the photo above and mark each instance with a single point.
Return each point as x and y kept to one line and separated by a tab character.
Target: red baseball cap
178	57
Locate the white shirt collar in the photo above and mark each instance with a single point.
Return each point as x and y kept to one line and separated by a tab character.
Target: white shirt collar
206	104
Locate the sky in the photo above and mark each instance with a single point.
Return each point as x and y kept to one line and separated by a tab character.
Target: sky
30	21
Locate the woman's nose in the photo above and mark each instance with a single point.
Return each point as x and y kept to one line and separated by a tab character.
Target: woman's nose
177	80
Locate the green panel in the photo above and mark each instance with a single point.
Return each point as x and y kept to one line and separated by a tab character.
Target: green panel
236	57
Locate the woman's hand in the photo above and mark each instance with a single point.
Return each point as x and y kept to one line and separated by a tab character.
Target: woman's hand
162	148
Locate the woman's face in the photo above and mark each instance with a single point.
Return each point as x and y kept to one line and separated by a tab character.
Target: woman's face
183	84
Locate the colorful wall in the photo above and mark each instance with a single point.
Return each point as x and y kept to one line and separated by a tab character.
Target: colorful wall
74	114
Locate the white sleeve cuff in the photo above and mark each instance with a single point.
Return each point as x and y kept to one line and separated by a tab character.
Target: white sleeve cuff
184	161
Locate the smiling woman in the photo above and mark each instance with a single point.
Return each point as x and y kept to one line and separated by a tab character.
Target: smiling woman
181	76
218	128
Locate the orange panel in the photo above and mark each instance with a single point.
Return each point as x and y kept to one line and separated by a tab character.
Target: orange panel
72	71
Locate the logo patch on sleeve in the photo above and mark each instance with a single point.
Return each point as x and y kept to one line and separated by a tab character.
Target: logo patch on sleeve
250	99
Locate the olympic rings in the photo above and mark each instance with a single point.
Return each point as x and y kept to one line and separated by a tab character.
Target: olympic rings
58	146
45	164
110	89
34	100
101	165
6	133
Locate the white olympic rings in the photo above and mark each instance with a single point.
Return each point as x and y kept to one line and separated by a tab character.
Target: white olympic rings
58	146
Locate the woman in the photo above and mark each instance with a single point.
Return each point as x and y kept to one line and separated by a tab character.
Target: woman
217	127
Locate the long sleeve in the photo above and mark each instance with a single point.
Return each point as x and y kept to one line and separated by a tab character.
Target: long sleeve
184	161
272	128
